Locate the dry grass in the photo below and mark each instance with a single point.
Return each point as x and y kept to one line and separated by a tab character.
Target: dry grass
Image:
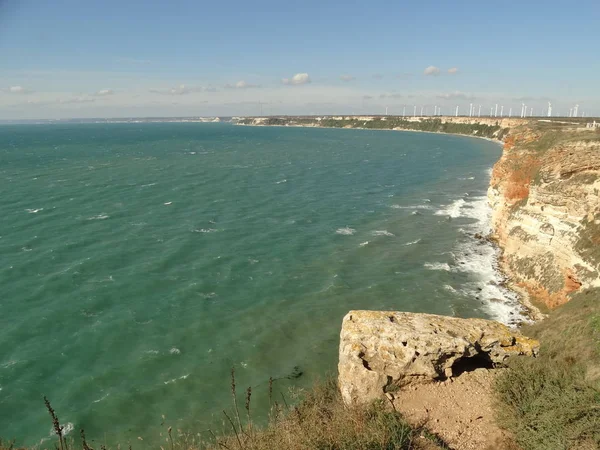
319	421
322	421
553	402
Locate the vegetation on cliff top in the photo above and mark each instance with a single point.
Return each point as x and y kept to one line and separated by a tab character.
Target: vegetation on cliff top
319	421
434	125
552	402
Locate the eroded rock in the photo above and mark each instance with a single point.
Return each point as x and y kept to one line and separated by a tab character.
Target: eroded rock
381	351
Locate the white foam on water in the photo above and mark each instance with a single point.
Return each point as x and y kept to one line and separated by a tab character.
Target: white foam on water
174	351
205	230
412	242
34	211
437	266
281	181
449	288
410	207
101	398
362	244
346	231
479	258
167	203
174	380
208	295
101	216
453	210
66	429
382	233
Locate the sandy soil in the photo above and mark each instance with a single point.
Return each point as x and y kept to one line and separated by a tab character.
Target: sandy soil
459	411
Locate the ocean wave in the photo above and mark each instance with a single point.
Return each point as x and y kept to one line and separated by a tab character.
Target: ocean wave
34	211
347	231
437	266
205	230
101	398
413	242
174	380
381	233
479	258
362	244
410	206
281	181
66	429
174	351
453	210
101	216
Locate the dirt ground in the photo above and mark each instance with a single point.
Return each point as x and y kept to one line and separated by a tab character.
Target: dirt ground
458	410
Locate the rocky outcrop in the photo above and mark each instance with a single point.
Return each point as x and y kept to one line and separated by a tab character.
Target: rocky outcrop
381	351
545	195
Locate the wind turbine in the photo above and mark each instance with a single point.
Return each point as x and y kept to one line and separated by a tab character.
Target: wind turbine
496	111
502	111
479	113
456	113
510	112
403	110
415	111
549	109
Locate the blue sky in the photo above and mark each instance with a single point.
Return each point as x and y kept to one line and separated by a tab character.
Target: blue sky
111	58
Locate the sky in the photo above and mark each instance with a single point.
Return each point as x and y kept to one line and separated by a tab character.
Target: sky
147	58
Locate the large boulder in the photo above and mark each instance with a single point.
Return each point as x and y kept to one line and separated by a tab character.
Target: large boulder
382	351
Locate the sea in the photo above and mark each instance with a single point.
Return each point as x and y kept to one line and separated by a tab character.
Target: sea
141	262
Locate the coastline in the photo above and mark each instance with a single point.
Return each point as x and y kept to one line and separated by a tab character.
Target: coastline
496	141
533	314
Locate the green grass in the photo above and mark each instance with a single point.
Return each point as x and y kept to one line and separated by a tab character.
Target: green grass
553	402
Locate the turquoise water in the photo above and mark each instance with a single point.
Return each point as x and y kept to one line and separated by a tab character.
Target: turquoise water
140	262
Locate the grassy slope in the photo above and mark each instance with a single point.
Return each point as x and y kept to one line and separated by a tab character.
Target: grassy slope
553	402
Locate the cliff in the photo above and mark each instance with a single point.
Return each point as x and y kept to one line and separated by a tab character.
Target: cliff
545	195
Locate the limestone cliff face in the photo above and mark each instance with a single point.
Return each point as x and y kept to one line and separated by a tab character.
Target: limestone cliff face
545	194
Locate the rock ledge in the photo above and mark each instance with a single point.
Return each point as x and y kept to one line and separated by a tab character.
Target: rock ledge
382	351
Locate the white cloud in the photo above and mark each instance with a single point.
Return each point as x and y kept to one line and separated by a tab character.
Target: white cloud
299	78
104	92
17	90
61	101
393	96
347	78
182	89
432	70
453	70
241	85
456	95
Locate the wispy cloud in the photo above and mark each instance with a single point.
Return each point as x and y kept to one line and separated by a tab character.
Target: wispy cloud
17	90
532	99
393	96
347	78
453	70
182	89
456	95
432	71
298	79
104	92
61	101
241	85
